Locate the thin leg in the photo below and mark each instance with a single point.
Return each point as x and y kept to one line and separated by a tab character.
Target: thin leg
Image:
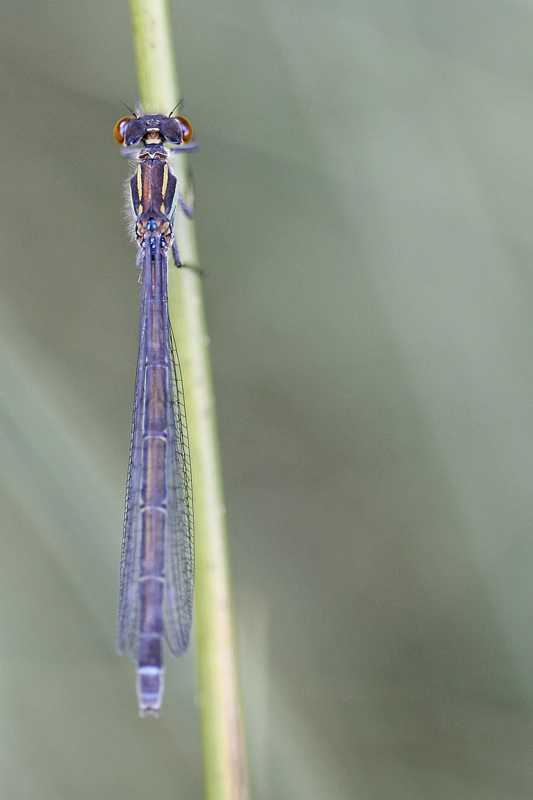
187	209
199	271
176	254
187	206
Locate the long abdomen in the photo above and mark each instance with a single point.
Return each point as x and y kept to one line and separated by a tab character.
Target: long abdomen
153	500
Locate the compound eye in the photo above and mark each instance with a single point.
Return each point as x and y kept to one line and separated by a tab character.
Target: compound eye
186	129
119	131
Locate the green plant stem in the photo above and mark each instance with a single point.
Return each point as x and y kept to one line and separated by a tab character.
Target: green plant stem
225	774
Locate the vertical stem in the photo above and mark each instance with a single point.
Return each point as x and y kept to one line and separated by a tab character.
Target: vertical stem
225	774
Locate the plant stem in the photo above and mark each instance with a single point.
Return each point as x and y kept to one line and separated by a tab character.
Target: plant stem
225	774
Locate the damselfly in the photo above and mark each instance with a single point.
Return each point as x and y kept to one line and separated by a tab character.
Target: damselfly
157	564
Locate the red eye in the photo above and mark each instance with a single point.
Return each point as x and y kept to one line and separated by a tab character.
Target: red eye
119	131
186	128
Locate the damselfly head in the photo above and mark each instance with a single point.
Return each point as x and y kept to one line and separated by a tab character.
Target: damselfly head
131	131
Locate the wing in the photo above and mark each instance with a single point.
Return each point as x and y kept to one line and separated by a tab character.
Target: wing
179	542
128	607
179	538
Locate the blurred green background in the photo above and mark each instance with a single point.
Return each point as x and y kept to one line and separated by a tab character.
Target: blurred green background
364	212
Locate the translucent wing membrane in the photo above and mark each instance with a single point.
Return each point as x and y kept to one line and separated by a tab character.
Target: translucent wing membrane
128	606
179	547
178	529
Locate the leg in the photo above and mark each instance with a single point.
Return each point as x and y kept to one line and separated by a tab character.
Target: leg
199	271
176	254
187	206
